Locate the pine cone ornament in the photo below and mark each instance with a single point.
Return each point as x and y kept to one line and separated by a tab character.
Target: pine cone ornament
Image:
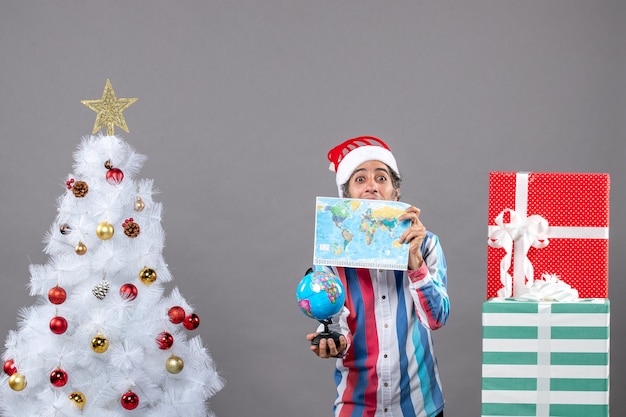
131	229
101	289
80	189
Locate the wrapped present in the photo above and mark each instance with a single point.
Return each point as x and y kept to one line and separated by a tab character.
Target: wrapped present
548	223
545	359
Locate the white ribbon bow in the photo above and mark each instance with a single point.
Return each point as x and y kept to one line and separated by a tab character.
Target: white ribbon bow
525	232
549	288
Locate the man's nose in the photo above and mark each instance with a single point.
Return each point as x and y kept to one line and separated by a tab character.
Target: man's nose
371	184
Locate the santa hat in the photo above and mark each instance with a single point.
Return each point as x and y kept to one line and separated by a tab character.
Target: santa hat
347	157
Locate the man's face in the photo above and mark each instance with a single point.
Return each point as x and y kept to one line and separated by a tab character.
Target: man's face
372	180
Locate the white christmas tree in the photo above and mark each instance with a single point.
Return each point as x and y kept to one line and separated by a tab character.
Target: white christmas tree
103	338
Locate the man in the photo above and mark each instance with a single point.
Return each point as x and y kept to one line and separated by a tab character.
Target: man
385	362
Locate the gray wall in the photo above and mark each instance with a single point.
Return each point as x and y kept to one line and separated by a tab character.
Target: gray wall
239	102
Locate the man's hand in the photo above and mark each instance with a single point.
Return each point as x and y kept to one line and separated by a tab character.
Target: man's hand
414	235
327	347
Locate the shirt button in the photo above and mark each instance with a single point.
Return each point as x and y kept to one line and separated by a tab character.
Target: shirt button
385	355
384	297
386	384
386	325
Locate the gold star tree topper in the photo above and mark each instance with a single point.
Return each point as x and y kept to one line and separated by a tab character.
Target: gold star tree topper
109	109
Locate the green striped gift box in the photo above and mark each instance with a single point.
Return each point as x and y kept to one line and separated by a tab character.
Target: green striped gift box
545	359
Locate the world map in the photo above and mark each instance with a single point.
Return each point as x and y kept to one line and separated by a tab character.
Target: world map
360	233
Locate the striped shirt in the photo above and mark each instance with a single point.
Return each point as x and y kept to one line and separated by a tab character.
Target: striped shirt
389	368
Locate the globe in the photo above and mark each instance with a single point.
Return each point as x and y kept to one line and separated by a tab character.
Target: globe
320	295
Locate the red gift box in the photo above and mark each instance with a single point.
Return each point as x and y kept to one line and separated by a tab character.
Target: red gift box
555	223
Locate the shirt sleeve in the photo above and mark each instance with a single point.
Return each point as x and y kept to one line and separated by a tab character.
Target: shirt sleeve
428	285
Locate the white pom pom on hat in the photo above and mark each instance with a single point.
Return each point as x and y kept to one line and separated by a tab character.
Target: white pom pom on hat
347	157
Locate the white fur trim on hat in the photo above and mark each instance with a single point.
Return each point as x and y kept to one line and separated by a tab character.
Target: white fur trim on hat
358	156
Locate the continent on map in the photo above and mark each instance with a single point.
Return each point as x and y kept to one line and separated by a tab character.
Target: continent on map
385	218
347	237
342	210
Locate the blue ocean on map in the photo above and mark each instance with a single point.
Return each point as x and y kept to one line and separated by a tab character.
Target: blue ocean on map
360	233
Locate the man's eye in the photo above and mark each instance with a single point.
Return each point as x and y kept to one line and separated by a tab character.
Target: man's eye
359	179
382	178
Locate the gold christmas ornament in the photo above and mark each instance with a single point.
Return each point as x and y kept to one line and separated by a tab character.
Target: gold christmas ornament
174	364
80	249
17	382
148	276
109	109
139	204
78	398
105	230
99	344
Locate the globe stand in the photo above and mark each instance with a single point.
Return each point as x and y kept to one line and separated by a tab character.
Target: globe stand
327	334
321	296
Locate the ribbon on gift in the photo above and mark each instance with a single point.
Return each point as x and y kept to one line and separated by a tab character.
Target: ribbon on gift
543	359
549	288
526	232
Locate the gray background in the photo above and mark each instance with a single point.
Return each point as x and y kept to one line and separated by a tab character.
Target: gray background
239	101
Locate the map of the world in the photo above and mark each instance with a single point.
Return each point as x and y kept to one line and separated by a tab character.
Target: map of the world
360	233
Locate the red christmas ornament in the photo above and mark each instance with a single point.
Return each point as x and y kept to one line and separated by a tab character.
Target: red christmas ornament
165	340
176	314
9	367
57	295
128	291
130	400
58	378
58	325
114	176
191	322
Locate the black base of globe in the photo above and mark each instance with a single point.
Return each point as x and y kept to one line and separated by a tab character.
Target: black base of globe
326	334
